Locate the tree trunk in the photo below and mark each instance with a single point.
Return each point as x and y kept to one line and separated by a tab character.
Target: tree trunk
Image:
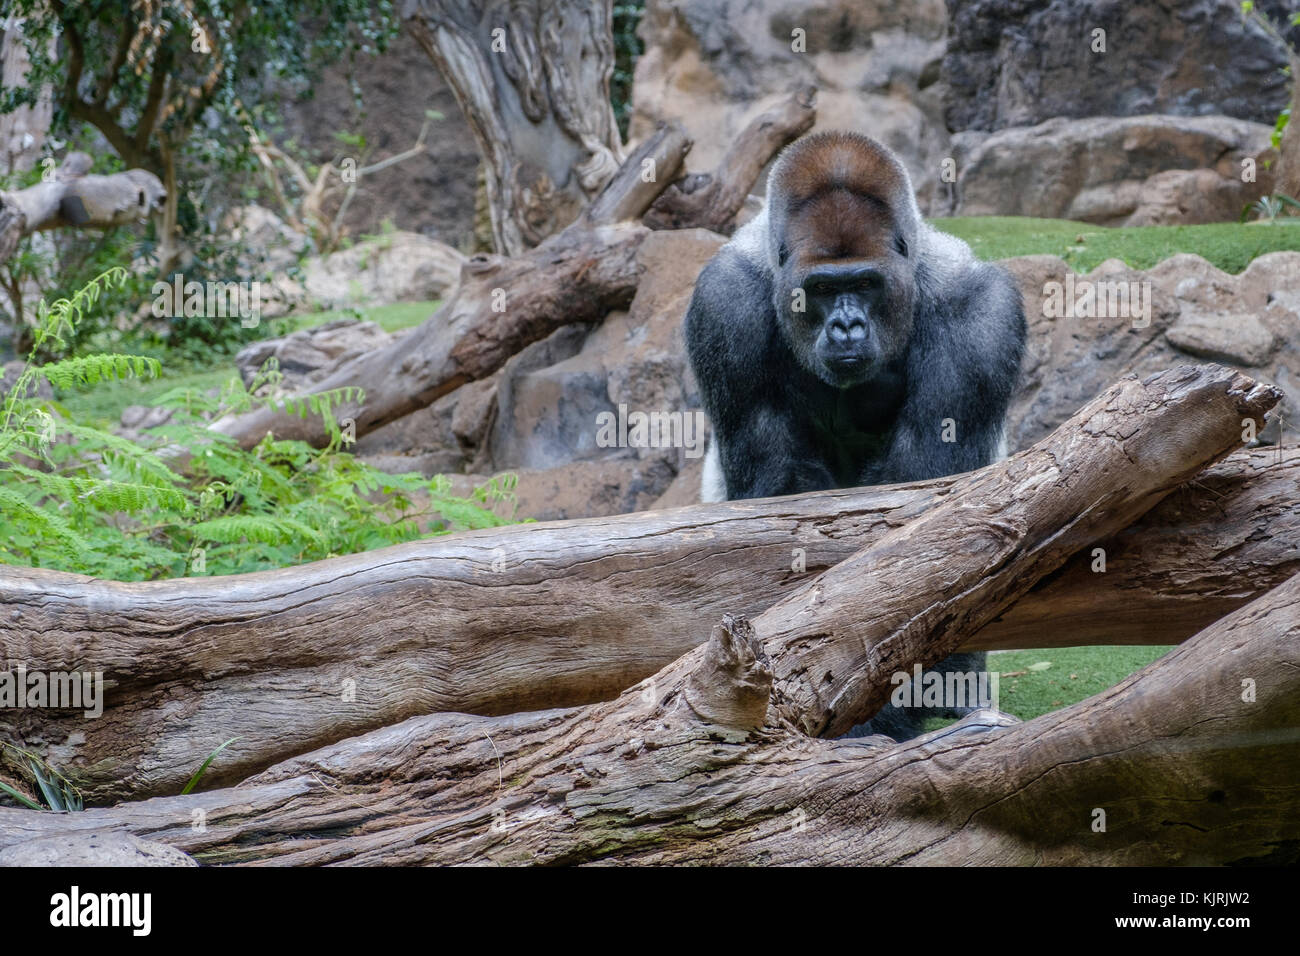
22	132
532	79
710	761
554	614
1288	164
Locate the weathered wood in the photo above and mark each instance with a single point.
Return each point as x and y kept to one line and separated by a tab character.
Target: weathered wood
576	611
500	305
711	200
75	197
532	79
675	770
837	640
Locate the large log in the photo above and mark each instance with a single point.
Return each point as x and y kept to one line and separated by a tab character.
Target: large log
557	614
708	761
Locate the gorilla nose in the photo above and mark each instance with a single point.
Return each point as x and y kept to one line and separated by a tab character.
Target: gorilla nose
846	332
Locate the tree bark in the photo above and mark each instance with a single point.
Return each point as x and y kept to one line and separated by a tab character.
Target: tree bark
77	198
532	79
709	761
22	132
1288	164
555	614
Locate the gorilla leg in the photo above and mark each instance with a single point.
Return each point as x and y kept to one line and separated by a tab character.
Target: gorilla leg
904	723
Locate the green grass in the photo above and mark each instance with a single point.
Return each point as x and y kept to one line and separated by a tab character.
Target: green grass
103	406
1230	246
1074	674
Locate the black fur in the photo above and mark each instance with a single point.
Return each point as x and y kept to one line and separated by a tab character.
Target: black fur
782	424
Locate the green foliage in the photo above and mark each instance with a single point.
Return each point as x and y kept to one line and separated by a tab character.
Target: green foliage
203	768
627	50
56	790
1229	246
186	500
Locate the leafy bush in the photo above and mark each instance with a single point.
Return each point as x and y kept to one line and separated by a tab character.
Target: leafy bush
185	500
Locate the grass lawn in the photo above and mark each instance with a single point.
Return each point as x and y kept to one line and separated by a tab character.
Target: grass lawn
103	404
1073	673
1230	246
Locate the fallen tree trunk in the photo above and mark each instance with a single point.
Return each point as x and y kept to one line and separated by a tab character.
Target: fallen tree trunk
500	305
530	617
75	197
557	614
708	761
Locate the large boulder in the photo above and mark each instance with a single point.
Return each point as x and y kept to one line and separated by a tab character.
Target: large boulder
714	65
1020	62
1137	170
89	848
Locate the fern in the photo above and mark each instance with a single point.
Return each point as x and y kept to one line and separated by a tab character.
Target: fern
80	498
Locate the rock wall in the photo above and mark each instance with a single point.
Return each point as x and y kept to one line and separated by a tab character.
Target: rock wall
716	64
1021	62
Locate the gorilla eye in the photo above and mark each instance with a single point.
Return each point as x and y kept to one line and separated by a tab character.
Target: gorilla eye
901	245
782	254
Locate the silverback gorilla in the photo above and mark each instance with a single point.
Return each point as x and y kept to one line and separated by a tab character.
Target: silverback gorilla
840	341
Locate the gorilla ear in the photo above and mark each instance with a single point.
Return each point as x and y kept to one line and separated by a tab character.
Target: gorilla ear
900	244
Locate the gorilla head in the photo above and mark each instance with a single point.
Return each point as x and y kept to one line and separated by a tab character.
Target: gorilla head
842	222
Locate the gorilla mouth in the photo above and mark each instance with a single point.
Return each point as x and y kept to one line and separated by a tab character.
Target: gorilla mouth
846	370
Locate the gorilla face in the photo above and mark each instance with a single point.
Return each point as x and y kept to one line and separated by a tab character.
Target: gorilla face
845	290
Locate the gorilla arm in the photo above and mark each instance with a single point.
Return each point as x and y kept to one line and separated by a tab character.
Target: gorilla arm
963	367
744	379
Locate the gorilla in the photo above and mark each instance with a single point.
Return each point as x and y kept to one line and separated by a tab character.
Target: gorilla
840	341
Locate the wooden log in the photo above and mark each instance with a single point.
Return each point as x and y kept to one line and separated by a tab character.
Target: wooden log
711	200
689	767
555	614
500	305
76	197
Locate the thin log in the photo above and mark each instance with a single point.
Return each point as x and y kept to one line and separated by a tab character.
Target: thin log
711	200
75	197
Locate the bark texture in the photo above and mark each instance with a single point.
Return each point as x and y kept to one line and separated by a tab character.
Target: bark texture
1189	761
556	614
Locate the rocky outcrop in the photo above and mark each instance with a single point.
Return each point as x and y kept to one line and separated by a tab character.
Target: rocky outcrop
1021	62
1186	309
714	65
91	848
1139	170
394	267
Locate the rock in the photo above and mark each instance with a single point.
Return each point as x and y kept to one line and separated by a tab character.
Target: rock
1140	170
93	848
396	267
552	392
307	355
1020	62
1248	321
1220	337
714	65
583	489
266	243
